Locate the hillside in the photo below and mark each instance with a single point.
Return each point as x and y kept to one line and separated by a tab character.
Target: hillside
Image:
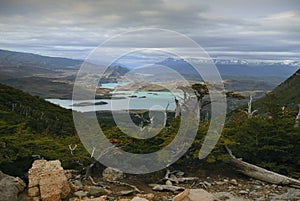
269	137
47	77
287	93
32	126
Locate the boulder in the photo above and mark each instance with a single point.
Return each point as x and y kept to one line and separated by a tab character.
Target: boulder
112	174
194	195
10	187
47	181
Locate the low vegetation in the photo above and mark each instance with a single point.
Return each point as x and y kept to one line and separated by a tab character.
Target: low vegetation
32	126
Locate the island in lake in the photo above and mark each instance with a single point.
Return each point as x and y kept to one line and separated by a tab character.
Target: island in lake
82	104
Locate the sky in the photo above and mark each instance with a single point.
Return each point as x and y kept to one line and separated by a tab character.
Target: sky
256	29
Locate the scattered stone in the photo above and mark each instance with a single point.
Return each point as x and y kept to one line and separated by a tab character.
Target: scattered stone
223	195
238	199
149	196
128	192
159	187
49	177
179	173
112	174
138	199
291	194
169	183
81	194
102	198
98	191
124	199
74	187
233	182
78	183
242	192
207	183
194	195
256	187
10	187
69	173
220	182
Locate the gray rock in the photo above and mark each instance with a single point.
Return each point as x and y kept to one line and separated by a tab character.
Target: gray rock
194	195
128	192
169	183
10	187
98	191
138	199
242	192
207	183
81	194
112	174
78	183
233	182
223	195
291	194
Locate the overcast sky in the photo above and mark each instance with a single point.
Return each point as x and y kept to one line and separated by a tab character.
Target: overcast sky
256	29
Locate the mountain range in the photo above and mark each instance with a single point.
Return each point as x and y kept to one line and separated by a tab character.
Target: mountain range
236	68
53	77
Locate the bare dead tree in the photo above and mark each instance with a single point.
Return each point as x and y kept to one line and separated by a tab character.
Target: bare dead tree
249	111
72	148
200	92
178	108
166	115
108	150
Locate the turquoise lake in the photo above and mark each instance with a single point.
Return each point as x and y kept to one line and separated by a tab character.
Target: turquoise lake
141	100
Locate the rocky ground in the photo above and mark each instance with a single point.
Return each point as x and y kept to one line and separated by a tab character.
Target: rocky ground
49	182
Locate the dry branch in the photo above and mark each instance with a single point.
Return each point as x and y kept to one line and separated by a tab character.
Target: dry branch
125	184
261	173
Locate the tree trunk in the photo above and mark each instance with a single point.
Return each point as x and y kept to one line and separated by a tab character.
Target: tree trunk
261	173
178	108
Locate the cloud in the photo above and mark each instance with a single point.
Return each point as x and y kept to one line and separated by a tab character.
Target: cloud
66	26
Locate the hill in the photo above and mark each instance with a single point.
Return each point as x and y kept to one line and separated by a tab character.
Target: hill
287	93
47	77
270	136
32	126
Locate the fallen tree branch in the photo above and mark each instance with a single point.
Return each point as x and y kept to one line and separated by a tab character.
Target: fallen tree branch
171	177
159	187
261	173
97	183
125	184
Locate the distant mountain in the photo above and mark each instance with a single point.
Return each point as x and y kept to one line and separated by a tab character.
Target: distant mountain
236	68
48	77
30	58
17	64
113	73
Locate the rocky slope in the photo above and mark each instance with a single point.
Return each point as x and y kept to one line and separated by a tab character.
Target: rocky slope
48	181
